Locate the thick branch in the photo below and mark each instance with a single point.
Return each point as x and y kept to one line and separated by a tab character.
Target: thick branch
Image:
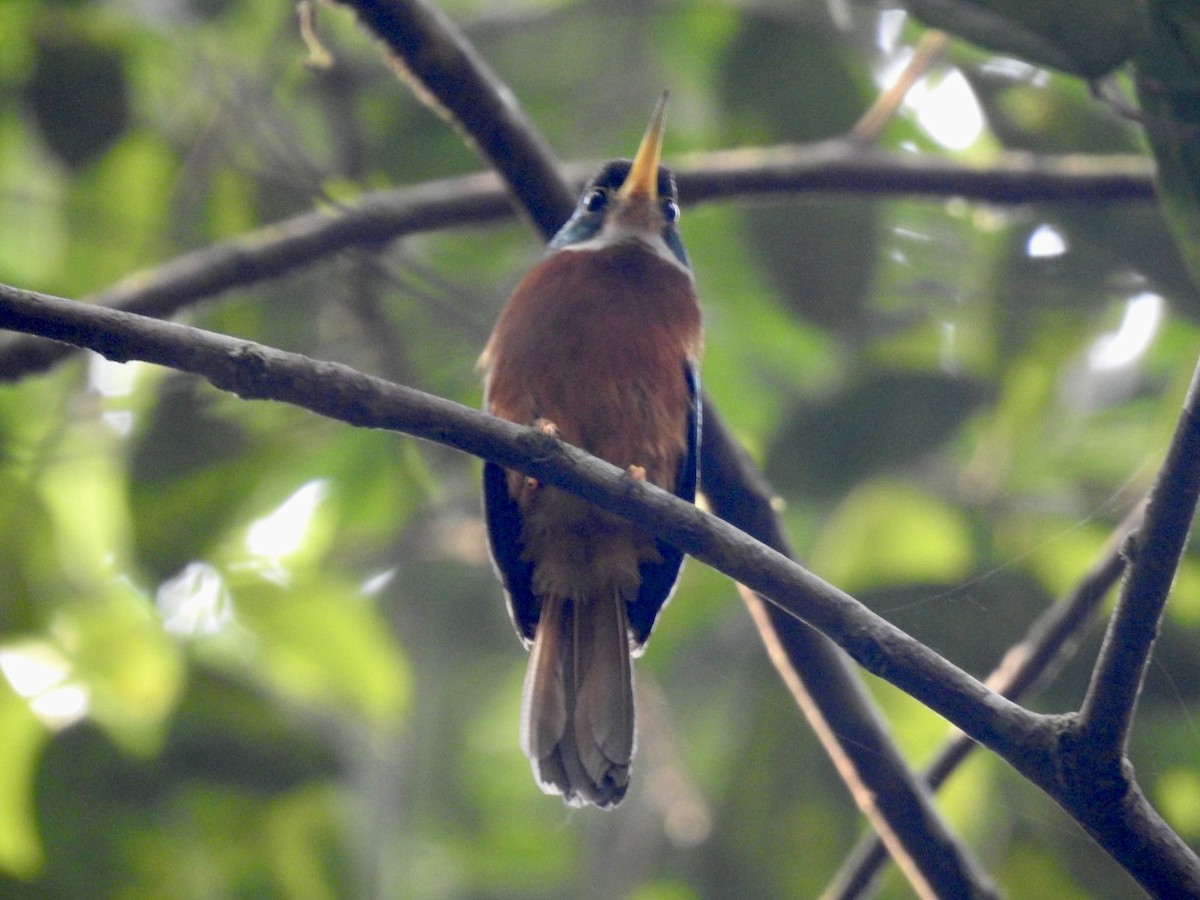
257	372
833	699
382	216
1133	834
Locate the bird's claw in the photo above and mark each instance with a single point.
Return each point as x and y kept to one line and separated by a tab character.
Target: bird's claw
548	428
637	473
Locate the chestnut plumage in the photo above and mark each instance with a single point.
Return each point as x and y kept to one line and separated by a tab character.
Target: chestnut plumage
599	345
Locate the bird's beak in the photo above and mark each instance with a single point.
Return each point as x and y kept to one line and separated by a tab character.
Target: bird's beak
642	180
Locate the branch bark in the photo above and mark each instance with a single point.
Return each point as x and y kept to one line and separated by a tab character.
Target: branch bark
1048	642
1034	744
257	372
1038	746
1107	712
840	167
927	852
832	697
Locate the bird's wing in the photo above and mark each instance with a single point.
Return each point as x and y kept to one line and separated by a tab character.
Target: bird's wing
658	578
503	518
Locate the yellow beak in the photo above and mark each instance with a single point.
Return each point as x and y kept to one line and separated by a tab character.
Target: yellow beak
642	180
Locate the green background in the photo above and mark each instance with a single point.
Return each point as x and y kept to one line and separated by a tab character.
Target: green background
248	652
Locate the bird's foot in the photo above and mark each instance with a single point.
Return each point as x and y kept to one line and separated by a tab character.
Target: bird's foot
637	473
546	427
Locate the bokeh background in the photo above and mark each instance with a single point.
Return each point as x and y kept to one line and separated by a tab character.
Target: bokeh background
249	652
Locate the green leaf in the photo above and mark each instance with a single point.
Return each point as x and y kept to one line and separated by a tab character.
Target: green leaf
29	570
887	533
1168	83
132	671
1084	37
1177	794
78	93
822	448
21	740
327	645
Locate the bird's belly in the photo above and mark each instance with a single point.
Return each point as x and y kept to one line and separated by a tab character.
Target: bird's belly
631	409
580	551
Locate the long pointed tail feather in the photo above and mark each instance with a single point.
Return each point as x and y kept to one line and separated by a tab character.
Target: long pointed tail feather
577	723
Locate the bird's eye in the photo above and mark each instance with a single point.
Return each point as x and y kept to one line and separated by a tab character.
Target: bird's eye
595	200
670	210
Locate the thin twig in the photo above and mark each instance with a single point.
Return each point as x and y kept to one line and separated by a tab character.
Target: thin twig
929	50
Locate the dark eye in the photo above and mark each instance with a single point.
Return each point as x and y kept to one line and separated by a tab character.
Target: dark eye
670	210
595	200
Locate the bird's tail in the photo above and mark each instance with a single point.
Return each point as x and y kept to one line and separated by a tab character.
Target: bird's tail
577	715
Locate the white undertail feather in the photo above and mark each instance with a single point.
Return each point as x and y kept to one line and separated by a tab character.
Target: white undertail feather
577	723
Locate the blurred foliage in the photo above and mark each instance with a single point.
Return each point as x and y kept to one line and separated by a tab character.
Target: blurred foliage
251	653
1087	41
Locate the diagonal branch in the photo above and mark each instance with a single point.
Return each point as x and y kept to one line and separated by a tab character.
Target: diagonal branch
1050	640
257	372
915	829
833	699
443	69
1131	832
1107	713
928	51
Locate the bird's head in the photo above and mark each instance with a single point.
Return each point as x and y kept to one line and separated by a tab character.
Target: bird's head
630	200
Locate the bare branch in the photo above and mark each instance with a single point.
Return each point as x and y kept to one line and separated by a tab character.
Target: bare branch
1049	642
285	247
845	167
383	216
257	372
472	93
1107	712
444	71
832	698
1038	746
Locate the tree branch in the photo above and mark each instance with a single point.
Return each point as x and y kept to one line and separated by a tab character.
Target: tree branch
1107	713
1047	644
935	867
257	372
1132	832
928	51
381	216
279	249
832	697
442	68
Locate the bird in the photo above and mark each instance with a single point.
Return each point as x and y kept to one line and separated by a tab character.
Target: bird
599	346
